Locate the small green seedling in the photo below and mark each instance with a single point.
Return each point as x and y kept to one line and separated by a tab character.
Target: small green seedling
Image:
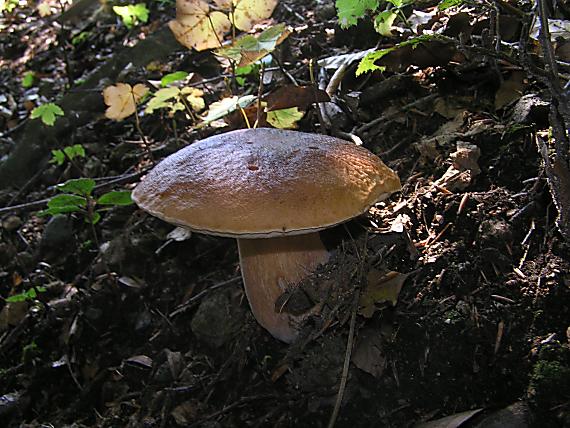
28	79
67	153
26	296
132	14
80	38
77	197
47	113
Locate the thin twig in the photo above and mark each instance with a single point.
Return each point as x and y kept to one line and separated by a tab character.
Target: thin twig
184	307
350	340
346	365
387	117
34	205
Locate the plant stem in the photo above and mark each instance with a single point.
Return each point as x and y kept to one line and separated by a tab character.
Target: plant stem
145	144
259	94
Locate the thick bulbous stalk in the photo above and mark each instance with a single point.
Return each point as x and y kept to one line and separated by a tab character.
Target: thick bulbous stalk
270	267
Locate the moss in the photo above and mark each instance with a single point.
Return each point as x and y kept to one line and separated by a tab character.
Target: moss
550	377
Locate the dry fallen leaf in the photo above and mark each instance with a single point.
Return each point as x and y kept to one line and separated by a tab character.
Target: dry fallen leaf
368	355
511	90
122	98
295	96
381	288
246	13
44	9
286	118
197	27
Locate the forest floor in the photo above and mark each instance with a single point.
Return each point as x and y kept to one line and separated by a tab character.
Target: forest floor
453	296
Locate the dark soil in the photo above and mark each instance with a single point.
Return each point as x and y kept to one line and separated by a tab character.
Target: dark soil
136	329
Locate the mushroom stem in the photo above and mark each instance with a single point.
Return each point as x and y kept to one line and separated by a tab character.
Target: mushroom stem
270	267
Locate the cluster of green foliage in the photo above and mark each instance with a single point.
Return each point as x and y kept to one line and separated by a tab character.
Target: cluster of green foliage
59	156
27	295
350	11
77	198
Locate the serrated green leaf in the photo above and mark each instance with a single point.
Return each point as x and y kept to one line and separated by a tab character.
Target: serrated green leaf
47	113
286	118
28	79
367	63
173	77
78	186
77	150
69	152
116	198
350	11
446	4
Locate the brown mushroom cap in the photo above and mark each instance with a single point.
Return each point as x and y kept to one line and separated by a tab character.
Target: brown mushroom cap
258	183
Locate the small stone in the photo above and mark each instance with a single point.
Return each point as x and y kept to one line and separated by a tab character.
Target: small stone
218	318
12	223
58	232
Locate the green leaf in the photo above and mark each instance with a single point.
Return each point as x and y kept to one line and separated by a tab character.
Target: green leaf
116	198
446	4
74	151
286	118
368	62
95	219
69	152
383	22
160	99
65	203
67	200
47	113
225	106
78	186
30	294
57	157
80	38
248	49
28	79
173	77
132	14
397	3
350	11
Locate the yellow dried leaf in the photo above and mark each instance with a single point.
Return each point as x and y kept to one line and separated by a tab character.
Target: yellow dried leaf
246	13
224	4
286	118
197	27
44	9
380	289
194	98
122	98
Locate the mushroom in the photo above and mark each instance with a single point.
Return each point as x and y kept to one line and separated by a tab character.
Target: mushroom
273	190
